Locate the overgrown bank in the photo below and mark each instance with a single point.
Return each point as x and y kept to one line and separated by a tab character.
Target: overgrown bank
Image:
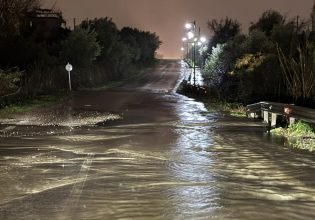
299	135
211	101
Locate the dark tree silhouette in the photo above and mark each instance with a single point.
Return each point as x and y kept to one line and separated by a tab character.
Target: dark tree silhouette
223	30
267	22
12	13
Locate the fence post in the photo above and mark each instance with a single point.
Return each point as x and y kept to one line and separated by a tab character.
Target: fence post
266	116
273	120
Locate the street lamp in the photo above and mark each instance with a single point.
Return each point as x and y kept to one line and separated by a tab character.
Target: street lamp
183	51
188	26
191	27
190	35
203	39
195	40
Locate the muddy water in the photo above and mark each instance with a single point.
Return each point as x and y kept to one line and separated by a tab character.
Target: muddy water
168	158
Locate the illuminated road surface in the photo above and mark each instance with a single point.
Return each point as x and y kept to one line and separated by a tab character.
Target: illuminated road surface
166	158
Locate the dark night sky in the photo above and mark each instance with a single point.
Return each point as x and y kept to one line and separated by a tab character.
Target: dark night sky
167	17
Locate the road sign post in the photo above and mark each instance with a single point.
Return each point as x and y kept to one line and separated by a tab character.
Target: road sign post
69	68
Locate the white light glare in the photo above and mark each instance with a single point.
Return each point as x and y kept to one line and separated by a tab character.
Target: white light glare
203	39
184	39
190	35
182	49
188	26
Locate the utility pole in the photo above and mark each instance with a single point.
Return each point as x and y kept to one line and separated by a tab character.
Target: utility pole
194	53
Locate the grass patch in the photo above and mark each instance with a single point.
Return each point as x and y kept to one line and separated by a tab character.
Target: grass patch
212	104
233	109
29	104
300	135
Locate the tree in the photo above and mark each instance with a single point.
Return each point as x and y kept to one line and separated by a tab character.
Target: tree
107	36
258	42
9	80
213	70
223	30
267	22
299	71
285	36
12	13
81	47
128	36
149	43
142	44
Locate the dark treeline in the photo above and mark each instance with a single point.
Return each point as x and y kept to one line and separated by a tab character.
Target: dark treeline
275	61
35	46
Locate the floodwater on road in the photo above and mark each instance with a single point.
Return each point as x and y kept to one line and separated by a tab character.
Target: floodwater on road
167	157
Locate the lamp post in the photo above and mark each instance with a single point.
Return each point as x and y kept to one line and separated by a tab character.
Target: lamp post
185	44
196	41
201	43
69	68
191	27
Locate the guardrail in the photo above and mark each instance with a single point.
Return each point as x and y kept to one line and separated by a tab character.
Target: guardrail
271	111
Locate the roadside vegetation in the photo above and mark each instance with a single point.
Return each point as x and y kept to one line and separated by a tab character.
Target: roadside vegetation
274	61
212	103
233	109
28	104
300	135
33	54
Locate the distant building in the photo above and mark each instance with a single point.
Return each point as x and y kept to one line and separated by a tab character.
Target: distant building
44	23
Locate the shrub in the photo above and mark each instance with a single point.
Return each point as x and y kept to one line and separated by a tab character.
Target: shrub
9	80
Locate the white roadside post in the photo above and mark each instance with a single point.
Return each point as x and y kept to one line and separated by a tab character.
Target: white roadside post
69	68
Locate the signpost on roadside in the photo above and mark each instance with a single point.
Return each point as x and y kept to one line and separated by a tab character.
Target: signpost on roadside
69	68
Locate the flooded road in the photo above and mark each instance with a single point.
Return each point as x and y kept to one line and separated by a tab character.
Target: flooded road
166	157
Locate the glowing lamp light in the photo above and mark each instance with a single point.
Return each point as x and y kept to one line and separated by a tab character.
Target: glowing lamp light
182	49
203	39
195	39
188	26
199	43
190	35
184	39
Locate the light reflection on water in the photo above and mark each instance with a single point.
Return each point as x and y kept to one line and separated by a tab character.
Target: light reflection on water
193	165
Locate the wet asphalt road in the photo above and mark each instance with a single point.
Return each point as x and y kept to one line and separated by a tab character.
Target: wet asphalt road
145	152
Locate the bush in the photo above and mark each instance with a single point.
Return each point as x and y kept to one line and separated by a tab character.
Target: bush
300	129
9	81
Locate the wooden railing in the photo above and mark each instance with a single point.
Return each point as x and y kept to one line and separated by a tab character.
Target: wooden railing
271	111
